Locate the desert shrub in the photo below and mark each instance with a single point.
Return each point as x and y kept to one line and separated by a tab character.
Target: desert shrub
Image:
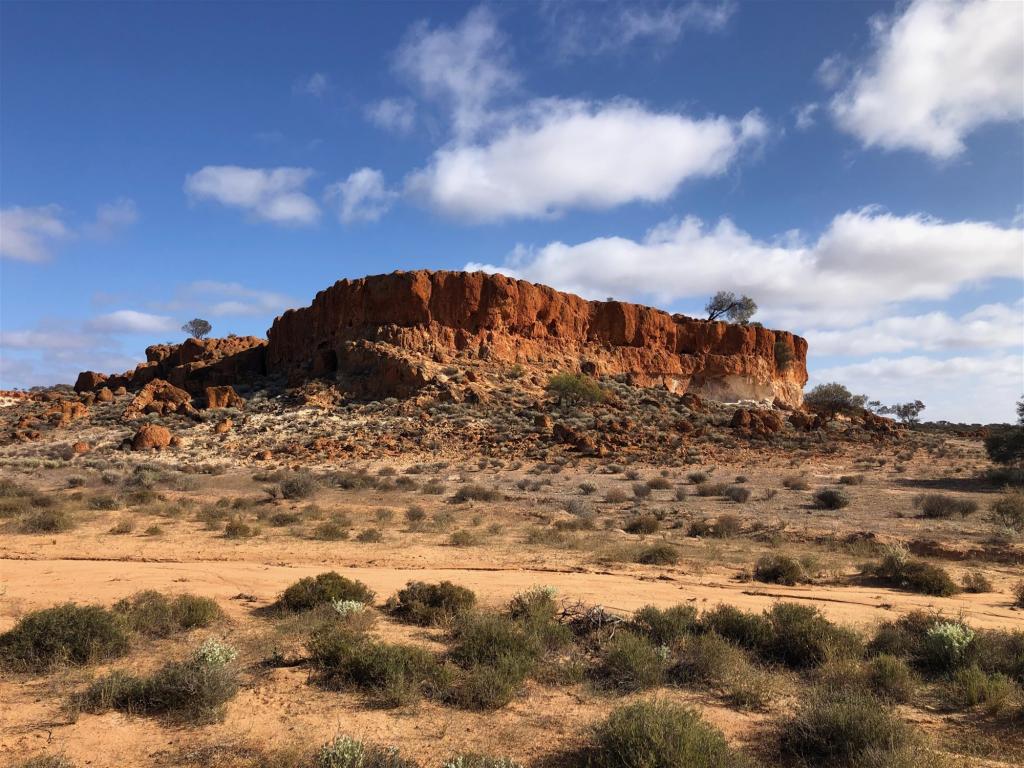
939	505
665	626
480	761
426	604
698	477
802	637
123	526
391	675
661	553
370	536
748	630
1018	594
491	639
346	752
641	490
615	496
300	485
972	687
47	761
328	587
1006	446
630	662
658	734
642	524
330	530
659	483
52	520
194	690
155	615
737	493
795	483
995	650
587	488
976	582
281	519
487	687
681	493
890	678
415	516
727	526
1008	510
898	569
831	498
463	538
103	502
700	527
711	489
707	659
779	569
849	729
851	480
237	528
534	605
575	389
947	644
475	492
64	634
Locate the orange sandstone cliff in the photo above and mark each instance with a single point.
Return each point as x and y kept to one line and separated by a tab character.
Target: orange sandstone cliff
395	334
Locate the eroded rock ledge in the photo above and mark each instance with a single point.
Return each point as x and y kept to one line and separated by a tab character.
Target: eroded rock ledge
392	335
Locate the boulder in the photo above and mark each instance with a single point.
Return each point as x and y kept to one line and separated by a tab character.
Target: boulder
222	426
162	398
104	395
151	437
89	380
222	397
80	447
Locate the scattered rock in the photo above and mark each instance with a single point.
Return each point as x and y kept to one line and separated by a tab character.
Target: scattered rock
162	398
222	426
223	397
150	437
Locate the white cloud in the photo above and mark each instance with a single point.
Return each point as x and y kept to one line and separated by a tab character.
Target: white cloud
28	234
938	71
316	85
833	70
560	154
991	326
863	261
466	66
40	339
968	389
232	299
113	217
613	27
131	321
271	194
805	116
397	115
363	196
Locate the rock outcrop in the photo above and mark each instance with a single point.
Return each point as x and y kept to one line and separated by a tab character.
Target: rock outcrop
395	334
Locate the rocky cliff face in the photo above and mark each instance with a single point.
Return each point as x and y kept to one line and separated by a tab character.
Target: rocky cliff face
392	334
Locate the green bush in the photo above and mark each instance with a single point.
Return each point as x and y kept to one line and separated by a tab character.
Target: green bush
891	678
487	687
973	687
976	583
475	492
898	569
425	604
480	761
665	626
391	675
737	493
708	660
1008	510
575	389
831	498
630	662
65	634
327	587
330	530
300	485
661	553
346	752
752	631
642	524
155	615
655	734
237	528
490	639
51	520
194	690
847	729
779	569
941	506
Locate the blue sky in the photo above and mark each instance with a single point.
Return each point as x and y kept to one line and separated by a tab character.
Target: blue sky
857	168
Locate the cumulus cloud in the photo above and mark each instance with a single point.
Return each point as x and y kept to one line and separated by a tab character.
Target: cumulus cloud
317	84
363	196
805	116
29	234
980	388
991	326
937	72
271	194
465	66
863	261
561	154
42	339
396	115
131	321
217	298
